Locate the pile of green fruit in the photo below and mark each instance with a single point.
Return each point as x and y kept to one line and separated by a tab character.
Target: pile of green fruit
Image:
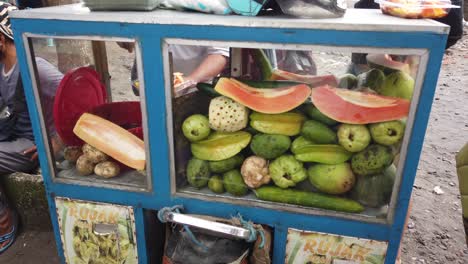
238	151
395	84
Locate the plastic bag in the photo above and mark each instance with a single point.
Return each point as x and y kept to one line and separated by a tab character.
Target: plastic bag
416	8
219	7
180	247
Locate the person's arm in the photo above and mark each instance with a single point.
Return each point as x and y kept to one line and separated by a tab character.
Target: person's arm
210	67
49	79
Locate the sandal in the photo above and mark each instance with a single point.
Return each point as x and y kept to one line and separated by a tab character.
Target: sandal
8	224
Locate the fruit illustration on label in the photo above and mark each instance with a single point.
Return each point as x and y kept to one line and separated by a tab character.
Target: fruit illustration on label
353	107
387	133
269	101
196	127
286	171
288	124
226	115
373	160
353	138
332	179
220	145
397	84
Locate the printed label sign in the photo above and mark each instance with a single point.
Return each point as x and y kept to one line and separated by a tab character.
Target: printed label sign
320	248
96	232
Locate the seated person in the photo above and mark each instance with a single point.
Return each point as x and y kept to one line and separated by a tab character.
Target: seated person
17	147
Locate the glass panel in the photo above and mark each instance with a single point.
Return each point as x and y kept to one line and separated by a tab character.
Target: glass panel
103	147
271	142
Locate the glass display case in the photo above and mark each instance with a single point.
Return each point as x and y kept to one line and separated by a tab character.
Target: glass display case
97	77
310	128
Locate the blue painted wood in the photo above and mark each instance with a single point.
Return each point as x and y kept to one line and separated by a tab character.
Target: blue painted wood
279	244
292	36
140	235
150	37
414	148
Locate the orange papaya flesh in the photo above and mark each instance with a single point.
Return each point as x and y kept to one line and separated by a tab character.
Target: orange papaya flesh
111	139
353	107
267	101
311	80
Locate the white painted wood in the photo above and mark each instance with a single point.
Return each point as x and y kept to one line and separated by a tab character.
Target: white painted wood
354	19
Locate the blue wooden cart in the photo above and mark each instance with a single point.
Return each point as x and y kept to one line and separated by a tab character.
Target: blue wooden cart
359	31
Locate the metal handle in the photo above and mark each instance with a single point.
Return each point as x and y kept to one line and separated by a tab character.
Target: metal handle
233	231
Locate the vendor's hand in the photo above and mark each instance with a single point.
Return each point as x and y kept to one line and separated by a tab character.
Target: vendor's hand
57	146
32	151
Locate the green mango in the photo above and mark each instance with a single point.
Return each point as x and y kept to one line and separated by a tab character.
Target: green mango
300	142
372	160
288	124
221	145
234	183
318	132
222	166
198	173
270	146
332	179
215	184
316	115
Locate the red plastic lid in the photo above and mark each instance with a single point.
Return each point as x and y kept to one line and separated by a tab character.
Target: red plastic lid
125	114
79	91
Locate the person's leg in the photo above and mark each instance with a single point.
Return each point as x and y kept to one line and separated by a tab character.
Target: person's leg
11	160
8	223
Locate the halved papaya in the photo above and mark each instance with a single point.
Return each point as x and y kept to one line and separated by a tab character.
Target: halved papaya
311	80
268	101
353	107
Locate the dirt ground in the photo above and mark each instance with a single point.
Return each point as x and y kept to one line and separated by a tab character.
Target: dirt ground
435	232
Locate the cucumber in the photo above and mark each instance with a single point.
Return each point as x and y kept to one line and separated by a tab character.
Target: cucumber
208	89
269	84
310	199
